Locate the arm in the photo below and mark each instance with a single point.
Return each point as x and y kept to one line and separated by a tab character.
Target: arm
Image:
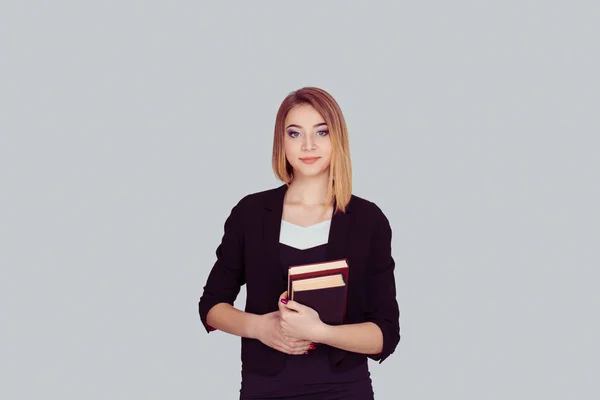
226	318
265	328
222	287
226	276
302	321
364	338
382	306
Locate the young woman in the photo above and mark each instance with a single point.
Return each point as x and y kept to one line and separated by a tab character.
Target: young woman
287	351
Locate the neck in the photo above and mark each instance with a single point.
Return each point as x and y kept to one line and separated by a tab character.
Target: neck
308	191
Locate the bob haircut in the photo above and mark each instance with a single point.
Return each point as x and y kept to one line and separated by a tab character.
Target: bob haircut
339	189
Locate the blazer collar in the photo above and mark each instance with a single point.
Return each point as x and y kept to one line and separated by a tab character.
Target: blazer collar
340	224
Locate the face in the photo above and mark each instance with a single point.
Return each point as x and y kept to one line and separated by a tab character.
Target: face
306	141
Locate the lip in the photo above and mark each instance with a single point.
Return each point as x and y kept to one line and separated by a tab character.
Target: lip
309	160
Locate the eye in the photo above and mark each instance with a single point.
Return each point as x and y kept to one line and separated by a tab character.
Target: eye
324	133
293	134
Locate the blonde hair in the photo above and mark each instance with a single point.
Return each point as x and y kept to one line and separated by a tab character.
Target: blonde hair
340	172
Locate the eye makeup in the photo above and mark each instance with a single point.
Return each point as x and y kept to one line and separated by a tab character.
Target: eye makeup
292	134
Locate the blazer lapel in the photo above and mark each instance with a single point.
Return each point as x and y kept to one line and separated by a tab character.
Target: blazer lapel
272	224
338	232
337	249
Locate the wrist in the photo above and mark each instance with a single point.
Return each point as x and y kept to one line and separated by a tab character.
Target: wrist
322	333
255	322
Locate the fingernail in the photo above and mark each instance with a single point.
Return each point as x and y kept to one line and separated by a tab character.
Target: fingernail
284	301
311	347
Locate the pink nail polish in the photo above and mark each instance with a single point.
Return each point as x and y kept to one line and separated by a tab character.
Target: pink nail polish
284	301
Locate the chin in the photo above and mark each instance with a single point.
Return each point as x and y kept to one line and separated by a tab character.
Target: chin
311	172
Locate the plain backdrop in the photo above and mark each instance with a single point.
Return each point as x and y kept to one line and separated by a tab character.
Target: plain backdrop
129	129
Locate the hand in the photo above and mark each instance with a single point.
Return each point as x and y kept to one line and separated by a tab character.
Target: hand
298	320
270	334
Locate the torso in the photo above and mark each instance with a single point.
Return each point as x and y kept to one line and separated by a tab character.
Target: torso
304	240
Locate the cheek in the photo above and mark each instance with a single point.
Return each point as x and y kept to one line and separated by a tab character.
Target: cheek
287	147
291	152
327	148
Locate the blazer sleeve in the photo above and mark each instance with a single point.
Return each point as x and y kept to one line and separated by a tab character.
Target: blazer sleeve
382	306
227	274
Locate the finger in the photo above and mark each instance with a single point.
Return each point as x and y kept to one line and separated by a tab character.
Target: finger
293	347
285	315
281	306
295	306
303	348
299	353
294	340
300	343
296	349
286	348
283	300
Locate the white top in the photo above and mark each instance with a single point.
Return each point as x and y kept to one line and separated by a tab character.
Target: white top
304	237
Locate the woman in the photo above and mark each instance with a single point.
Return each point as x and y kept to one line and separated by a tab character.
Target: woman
287	351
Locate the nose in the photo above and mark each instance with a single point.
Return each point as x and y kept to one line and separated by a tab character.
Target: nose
309	143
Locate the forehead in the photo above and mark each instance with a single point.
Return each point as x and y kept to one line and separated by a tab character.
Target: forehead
304	115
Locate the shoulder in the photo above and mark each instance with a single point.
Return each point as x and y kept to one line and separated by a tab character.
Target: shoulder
246	210
369	213
366	208
255	201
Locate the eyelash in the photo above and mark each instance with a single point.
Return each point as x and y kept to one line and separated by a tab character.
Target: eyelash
293	137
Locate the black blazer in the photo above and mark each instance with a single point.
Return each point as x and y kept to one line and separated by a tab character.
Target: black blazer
248	254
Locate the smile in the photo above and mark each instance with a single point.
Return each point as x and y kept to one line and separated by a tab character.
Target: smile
309	160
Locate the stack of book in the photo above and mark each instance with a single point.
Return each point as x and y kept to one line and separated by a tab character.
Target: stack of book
322	287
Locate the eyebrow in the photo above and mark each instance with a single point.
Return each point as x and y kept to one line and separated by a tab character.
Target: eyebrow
298	126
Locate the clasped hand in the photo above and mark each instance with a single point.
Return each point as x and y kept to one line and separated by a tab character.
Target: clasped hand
292	329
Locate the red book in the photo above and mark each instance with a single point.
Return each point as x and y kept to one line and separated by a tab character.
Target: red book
321	286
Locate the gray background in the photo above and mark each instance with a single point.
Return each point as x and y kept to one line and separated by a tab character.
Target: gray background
129	129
